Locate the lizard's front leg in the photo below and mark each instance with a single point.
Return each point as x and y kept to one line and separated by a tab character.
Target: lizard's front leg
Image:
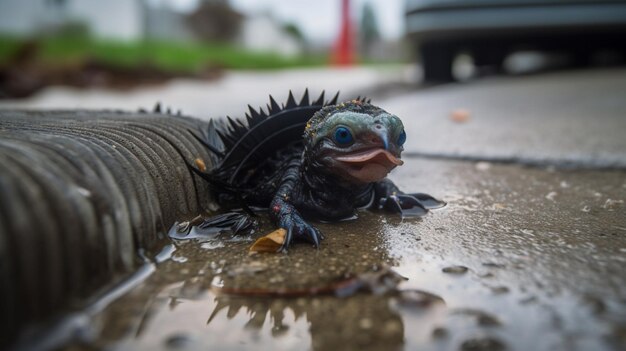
390	198
286	216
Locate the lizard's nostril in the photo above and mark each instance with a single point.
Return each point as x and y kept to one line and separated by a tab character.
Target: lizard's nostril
378	126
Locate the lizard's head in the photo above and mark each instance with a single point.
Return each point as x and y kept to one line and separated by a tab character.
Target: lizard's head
358	142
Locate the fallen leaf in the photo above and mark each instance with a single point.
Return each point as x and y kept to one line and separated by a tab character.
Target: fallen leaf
272	242
200	164
460	115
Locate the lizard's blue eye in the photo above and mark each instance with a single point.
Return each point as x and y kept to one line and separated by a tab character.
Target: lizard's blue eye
401	138
343	136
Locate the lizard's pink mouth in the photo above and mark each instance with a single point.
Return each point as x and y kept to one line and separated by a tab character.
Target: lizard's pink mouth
370	165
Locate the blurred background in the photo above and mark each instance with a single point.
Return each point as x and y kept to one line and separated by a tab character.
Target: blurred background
79	53
482	86
128	43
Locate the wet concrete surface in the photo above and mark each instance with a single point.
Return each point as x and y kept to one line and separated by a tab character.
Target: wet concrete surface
521	258
573	118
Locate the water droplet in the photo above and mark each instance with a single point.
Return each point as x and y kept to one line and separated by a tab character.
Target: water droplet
482	344
482	318
493	265
84	192
211	245
612	205
455	270
500	290
418	298
527	231
179	341
180	259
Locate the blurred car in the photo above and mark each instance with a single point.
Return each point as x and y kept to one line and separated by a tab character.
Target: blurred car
489	30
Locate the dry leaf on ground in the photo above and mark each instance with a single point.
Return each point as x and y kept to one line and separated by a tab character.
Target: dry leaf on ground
460	115
272	242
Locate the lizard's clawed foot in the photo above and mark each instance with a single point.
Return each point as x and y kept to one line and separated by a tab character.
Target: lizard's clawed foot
298	228
410	205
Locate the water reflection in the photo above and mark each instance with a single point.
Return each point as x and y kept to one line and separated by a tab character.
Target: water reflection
331	323
230	300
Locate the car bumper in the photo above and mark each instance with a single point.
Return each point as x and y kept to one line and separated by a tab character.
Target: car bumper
465	22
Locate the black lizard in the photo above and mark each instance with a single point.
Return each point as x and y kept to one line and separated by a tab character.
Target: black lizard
319	160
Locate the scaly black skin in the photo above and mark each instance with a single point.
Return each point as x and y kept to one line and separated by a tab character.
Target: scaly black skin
339	167
305	187
308	192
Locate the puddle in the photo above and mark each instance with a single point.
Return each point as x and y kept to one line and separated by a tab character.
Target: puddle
536	276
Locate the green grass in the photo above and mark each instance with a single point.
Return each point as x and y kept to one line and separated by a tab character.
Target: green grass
168	56
7	47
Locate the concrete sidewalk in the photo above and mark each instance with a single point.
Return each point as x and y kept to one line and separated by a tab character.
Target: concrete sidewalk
572	117
522	257
229	95
575	118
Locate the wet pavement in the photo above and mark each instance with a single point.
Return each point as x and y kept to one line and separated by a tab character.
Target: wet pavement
520	259
572	118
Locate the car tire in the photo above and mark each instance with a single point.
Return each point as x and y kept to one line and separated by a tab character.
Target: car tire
489	59
437	62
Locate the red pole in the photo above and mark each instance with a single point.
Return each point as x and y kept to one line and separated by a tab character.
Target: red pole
343	54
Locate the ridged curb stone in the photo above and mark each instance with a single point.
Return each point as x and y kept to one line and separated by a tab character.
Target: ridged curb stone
81	194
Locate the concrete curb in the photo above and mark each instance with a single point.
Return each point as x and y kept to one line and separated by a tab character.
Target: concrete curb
81	193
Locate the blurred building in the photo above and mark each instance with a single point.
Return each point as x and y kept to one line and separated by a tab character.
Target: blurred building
140	19
264	33
162	23
116	19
